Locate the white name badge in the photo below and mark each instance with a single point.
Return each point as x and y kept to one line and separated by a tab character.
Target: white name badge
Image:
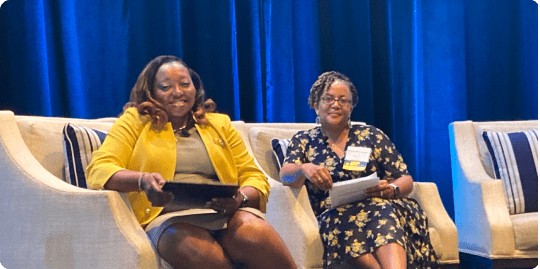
356	158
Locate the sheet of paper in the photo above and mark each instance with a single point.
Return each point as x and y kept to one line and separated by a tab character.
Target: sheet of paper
345	192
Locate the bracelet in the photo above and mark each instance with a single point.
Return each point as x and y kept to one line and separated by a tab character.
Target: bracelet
245	199
140	180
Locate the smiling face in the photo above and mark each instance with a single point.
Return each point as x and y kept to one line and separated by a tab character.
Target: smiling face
334	108
174	89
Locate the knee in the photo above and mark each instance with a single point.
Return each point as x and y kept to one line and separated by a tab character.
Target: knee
184	246
248	231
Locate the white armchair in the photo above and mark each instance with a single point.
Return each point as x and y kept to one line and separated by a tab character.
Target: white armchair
48	223
488	234
290	213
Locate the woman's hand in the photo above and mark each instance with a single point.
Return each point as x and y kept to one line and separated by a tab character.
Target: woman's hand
318	175
230	205
226	205
383	190
151	185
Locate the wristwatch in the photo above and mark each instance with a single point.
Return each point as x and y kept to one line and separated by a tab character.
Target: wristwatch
397	192
245	199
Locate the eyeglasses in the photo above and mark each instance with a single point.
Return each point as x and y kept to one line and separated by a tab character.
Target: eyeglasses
330	100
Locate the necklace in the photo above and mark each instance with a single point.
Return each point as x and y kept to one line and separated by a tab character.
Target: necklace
182	131
337	149
333	145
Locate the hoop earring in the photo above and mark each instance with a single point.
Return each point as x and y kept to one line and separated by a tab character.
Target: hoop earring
318	120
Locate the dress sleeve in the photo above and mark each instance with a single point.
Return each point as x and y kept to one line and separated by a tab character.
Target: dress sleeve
249	173
388	157
114	153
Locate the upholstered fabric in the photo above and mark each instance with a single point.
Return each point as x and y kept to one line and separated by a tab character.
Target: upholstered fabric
39	131
525	230
481	127
261	143
47	223
514	160
480	200
79	142
279	147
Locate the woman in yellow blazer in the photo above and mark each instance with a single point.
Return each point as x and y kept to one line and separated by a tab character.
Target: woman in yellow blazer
167	133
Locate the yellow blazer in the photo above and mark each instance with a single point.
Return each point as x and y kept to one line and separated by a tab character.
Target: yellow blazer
134	144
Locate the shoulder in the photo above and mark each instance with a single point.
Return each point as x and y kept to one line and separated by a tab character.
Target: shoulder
309	134
366	128
131	117
217	119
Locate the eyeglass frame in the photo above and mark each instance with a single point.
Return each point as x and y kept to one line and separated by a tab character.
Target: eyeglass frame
342	100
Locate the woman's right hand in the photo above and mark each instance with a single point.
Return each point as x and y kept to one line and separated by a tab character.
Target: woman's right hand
318	175
151	185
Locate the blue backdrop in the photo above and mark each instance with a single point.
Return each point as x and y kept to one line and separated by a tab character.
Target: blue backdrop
418	64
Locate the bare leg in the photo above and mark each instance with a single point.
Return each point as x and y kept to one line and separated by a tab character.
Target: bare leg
253	242
184	245
367	261
392	256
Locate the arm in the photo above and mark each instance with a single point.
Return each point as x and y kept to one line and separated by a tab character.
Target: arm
236	166
291	174
113	156
253	182
296	168
404	183
150	183
294	175
108	167
393	168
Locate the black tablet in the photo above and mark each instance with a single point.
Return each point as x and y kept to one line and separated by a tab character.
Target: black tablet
197	194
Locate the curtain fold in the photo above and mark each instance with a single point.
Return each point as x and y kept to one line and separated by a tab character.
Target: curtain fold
418	65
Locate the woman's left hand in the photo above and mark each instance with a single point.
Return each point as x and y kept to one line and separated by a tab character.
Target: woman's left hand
225	205
383	190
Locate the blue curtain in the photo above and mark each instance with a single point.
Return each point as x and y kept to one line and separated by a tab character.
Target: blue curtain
418	64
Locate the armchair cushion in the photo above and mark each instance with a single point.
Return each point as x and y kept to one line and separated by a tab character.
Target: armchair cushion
525	230
280	150
78	144
514	159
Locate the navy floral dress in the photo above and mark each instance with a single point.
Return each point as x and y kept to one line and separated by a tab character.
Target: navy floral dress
360	227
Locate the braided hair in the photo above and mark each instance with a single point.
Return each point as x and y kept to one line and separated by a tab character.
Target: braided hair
322	84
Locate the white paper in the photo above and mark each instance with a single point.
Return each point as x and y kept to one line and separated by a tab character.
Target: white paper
348	191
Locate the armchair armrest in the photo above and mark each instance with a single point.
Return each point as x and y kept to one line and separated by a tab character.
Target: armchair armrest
427	196
47	223
290	213
482	216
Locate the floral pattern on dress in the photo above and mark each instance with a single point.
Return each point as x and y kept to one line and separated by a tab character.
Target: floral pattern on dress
354	229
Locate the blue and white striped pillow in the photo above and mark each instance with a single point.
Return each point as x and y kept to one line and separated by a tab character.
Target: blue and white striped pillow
515	162
279	147
79	142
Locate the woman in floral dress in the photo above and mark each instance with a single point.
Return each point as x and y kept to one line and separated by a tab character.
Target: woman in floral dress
385	230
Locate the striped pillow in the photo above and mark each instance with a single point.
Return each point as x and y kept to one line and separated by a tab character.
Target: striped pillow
79	142
515	162
279	147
